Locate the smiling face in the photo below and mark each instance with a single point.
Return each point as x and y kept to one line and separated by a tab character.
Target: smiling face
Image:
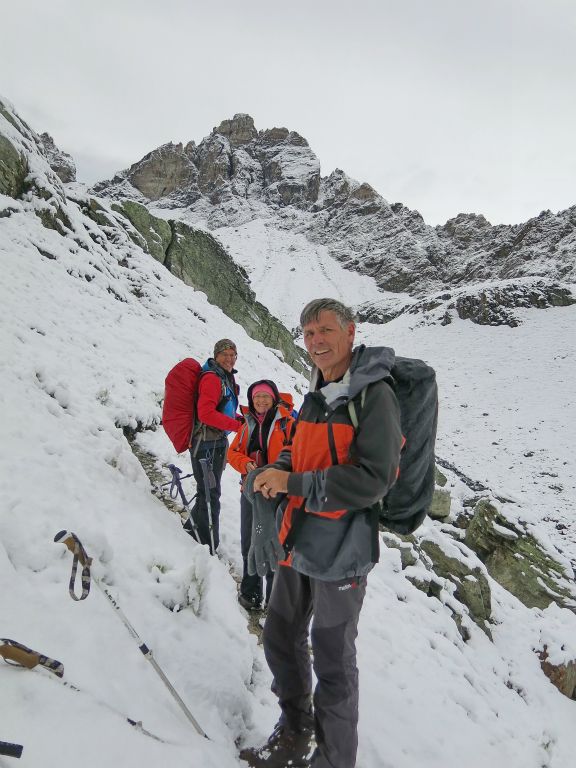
262	402
329	344
226	359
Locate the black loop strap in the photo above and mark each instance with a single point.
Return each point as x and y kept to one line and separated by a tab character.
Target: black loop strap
176	484
81	556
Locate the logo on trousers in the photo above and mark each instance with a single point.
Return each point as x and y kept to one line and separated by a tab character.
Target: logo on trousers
350	585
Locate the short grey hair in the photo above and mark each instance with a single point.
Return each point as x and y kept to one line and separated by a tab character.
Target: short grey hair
313	309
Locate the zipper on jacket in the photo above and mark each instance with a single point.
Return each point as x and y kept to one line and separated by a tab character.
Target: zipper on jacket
332	444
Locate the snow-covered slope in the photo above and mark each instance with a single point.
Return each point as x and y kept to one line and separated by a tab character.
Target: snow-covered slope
89	325
275	259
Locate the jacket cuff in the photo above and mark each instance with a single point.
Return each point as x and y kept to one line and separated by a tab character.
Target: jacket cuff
300	483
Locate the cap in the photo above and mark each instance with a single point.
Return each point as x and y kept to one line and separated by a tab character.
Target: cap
223	344
264	389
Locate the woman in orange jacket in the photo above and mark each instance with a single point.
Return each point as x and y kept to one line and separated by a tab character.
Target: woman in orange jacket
267	430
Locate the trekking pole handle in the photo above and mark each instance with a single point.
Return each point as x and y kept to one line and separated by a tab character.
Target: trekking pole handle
10	750
28	659
67	538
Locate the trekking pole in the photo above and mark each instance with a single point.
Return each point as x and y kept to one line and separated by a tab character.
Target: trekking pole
207	475
10	750
177	490
19	655
75	546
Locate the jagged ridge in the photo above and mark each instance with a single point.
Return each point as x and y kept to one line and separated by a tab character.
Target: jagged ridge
238	173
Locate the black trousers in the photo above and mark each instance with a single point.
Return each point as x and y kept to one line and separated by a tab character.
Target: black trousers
251	586
215	452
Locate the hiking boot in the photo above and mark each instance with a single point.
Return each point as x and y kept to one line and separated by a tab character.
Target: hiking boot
285	748
250	603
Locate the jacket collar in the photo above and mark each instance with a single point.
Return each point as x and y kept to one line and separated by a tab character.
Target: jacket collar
368	364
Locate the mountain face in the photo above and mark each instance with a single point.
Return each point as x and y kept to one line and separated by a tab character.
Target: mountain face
237	174
234	164
32	170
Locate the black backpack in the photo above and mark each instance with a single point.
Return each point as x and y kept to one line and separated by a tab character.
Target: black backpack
404	507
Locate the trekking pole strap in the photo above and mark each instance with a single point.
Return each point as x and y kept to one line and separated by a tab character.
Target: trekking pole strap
176	484
80	556
22	656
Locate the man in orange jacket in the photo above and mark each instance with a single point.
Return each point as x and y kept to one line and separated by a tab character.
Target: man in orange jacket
266	431
333	473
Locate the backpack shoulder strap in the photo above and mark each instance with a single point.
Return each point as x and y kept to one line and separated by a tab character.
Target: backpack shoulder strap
352	411
242	433
284	427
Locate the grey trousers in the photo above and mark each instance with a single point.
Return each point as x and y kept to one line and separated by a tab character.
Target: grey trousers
335	608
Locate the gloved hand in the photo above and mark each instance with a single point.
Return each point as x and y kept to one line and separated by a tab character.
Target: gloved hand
265	548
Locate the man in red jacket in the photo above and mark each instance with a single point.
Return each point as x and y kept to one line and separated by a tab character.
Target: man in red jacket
216	406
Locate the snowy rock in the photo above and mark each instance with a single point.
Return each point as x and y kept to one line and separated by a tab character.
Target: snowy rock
167	173
562	675
494	305
471	585
153	233
239	130
495	302
440	507
61	162
440	478
13	169
517	561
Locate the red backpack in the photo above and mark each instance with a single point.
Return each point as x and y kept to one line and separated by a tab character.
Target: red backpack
179	409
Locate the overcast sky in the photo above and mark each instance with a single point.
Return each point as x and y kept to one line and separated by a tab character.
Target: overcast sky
444	105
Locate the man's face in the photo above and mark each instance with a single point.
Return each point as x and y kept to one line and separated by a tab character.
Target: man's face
329	345
226	359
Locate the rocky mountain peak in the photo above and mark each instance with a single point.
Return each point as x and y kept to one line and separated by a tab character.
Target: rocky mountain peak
282	136
465	226
238	173
234	163
239	130
60	162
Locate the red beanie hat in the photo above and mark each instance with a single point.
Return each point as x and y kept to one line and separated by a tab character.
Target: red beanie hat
265	388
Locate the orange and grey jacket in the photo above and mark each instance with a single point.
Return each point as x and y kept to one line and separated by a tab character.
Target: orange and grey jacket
339	473
279	432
